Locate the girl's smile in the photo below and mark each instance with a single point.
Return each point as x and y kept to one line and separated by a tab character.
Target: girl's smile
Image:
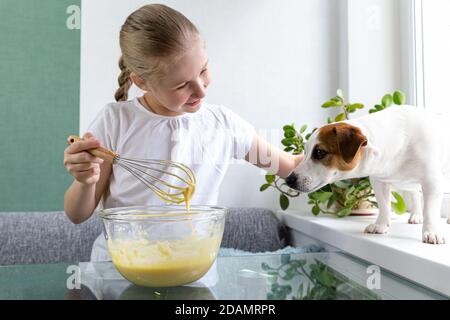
194	103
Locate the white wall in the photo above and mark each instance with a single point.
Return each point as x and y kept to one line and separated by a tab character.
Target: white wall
273	62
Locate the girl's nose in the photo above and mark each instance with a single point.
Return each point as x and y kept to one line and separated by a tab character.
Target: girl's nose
200	89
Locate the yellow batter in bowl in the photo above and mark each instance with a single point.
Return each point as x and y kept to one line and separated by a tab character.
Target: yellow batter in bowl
164	263
163	246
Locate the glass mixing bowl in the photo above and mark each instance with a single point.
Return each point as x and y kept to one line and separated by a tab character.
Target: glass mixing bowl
163	246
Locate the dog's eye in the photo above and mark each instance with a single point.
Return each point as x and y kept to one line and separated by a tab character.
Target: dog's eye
319	154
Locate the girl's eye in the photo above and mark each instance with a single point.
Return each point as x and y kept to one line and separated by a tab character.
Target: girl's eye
319	154
181	87
186	83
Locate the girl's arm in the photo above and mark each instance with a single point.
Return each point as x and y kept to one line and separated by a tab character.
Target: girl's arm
267	156
91	179
80	200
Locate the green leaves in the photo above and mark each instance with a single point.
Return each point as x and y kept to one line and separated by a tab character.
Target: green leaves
358	105
284	201
320	196
399	98
399	207
315	281
315	210
332	103
342	184
346	109
270	178
290	133
386	101
340	117
325	278
337	101
353	107
293	141
344	212
345	195
279	292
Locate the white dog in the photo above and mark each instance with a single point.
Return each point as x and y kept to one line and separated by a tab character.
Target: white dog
401	146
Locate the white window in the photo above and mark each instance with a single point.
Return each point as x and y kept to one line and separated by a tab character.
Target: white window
432	55
433	18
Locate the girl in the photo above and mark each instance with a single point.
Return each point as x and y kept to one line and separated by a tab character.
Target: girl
164	55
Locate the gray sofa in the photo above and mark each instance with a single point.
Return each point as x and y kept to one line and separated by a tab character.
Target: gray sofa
49	237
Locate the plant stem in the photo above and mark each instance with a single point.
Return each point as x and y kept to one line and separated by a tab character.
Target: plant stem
307	275
345	112
275	185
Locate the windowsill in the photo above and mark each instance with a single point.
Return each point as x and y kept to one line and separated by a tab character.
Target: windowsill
400	251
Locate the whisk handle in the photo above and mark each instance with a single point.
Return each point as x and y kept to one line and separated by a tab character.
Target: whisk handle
99	152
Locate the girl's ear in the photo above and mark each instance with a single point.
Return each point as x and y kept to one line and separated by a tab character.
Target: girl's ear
139	82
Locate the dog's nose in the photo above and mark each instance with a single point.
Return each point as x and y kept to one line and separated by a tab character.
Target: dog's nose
300	183
291	180
304	183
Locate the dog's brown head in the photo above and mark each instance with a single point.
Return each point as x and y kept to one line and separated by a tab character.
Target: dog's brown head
332	149
342	144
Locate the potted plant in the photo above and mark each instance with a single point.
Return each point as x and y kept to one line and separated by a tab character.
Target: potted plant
341	198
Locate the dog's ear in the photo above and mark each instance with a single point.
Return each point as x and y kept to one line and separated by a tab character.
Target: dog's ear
349	139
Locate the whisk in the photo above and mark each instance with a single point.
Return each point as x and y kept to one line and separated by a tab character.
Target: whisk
145	170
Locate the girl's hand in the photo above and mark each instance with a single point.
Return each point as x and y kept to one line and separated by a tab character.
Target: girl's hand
81	164
298	159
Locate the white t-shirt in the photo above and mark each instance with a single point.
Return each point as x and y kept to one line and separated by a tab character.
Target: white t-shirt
207	141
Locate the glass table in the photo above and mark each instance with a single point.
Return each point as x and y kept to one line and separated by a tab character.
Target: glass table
320	275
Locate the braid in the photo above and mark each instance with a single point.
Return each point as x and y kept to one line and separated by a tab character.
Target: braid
124	82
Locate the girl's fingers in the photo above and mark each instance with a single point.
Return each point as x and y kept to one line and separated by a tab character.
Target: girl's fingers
98	160
80	163
83	167
87	135
83	157
88	176
83	145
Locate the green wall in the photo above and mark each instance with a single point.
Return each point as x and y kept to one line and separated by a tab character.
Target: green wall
39	101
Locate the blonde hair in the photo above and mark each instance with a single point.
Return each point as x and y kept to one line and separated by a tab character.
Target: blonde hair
150	36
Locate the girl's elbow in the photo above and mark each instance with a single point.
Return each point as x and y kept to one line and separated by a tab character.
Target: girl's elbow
75	219
74	216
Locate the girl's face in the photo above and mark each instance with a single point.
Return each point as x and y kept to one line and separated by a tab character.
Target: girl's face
183	85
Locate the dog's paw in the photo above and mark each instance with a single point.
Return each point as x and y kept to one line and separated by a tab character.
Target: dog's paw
415	219
433	236
376	228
